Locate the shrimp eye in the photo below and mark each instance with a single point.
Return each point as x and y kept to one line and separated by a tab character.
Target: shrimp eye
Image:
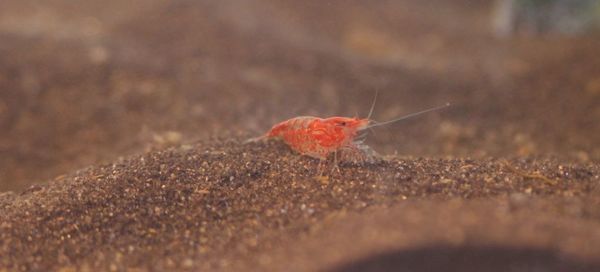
342	123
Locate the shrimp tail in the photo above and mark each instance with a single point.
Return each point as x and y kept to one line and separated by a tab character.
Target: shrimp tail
256	139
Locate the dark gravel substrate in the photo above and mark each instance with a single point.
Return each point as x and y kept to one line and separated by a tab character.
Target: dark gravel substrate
232	206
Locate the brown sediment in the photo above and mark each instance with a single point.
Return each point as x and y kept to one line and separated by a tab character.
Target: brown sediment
224	205
534	175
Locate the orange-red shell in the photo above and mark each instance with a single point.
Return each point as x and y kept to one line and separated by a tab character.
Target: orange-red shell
318	137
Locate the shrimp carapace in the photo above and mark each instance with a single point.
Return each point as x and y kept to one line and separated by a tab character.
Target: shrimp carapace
318	137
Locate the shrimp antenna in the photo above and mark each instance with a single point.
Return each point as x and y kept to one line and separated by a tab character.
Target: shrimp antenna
373	105
371	110
410	116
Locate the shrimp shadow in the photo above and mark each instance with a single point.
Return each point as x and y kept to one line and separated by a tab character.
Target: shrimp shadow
464	259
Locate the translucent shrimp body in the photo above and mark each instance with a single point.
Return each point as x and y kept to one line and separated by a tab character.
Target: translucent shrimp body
319	137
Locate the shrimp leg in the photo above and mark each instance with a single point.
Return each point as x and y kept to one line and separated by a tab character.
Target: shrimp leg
335	162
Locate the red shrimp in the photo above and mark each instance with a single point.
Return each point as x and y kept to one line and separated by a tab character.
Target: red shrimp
320	137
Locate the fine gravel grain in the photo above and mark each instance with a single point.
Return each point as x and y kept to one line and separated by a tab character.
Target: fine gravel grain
225	205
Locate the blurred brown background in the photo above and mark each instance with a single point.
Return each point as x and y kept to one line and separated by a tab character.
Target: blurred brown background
85	82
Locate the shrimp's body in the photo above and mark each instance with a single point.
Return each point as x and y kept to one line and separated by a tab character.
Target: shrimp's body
319	137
